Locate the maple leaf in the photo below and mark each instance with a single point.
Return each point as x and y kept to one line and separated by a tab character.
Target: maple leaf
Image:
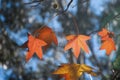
107	41
46	34
105	34
77	42
73	71
108	45
34	46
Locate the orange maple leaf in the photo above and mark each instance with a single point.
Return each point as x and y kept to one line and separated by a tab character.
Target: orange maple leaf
46	34
73	71
108	45
77	42
107	41
34	46
105	34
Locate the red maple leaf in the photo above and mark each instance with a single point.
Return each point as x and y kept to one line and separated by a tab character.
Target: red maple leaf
107	41
34	46
46	34
108	45
105	34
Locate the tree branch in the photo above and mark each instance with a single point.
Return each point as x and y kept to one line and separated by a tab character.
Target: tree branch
32	2
93	32
68	5
112	19
97	62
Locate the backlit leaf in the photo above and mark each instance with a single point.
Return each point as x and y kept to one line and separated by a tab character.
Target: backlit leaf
34	46
77	42
73	71
108	45
107	41
103	34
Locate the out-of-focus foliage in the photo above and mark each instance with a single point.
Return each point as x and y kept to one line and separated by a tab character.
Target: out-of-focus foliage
116	63
17	17
116	66
13	14
111	15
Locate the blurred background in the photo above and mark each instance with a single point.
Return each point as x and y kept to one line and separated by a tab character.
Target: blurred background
17	17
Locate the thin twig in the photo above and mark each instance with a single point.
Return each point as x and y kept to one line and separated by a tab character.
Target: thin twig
32	2
93	32
35	5
97	62
115	75
68	5
112	19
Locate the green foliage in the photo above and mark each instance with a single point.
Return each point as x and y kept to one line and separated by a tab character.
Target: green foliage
116	63
112	15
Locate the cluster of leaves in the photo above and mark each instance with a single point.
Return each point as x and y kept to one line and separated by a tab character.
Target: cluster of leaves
43	37
14	15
